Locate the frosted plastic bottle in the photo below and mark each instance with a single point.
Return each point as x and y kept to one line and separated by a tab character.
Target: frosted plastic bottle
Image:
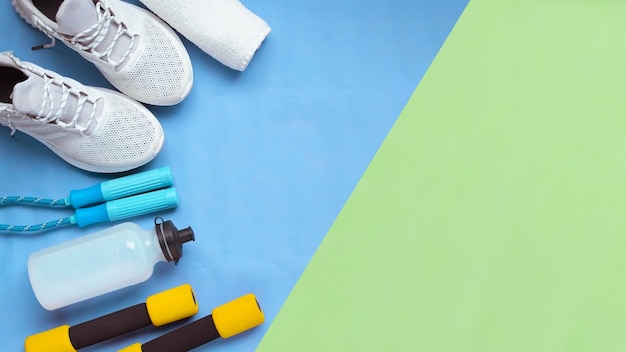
103	262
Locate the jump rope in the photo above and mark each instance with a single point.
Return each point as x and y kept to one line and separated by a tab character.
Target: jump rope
117	199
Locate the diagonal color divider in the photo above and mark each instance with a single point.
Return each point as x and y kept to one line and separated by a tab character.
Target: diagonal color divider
492	217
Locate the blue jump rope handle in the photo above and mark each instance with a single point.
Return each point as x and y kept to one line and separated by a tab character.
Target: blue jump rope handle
123	208
121	187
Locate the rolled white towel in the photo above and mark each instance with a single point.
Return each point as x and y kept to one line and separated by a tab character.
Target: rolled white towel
225	29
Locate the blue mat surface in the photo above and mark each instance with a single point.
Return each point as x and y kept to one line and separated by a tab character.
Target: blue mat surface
263	160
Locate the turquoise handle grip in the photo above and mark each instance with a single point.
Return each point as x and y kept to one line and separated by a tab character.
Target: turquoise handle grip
122	187
138	183
124	208
142	204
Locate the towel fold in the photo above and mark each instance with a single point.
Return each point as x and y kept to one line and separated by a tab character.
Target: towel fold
224	29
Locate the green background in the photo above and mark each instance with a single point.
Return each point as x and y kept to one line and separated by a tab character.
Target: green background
492	217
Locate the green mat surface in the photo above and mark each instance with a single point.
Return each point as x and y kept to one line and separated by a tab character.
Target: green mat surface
493	216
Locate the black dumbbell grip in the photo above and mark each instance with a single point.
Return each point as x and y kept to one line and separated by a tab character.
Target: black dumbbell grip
109	326
184	338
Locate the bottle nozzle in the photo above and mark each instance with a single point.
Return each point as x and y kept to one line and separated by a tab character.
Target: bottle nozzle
186	235
171	239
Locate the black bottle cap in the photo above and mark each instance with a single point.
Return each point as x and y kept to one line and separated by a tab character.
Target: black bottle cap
171	239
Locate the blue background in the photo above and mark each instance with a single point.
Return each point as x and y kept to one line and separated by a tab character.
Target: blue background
263	160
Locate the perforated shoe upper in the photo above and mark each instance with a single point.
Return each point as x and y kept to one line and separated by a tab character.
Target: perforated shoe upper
136	51
94	129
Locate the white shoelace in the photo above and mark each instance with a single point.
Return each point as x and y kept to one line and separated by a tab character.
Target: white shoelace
48	112
89	39
92	37
9	112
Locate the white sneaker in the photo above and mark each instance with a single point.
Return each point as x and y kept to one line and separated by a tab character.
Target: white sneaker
95	129
135	50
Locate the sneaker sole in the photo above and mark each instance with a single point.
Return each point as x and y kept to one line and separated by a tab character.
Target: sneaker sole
20	11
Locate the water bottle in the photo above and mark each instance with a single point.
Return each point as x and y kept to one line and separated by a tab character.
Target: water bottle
102	262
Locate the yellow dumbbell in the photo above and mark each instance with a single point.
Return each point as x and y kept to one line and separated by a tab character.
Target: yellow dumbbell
159	309
225	321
